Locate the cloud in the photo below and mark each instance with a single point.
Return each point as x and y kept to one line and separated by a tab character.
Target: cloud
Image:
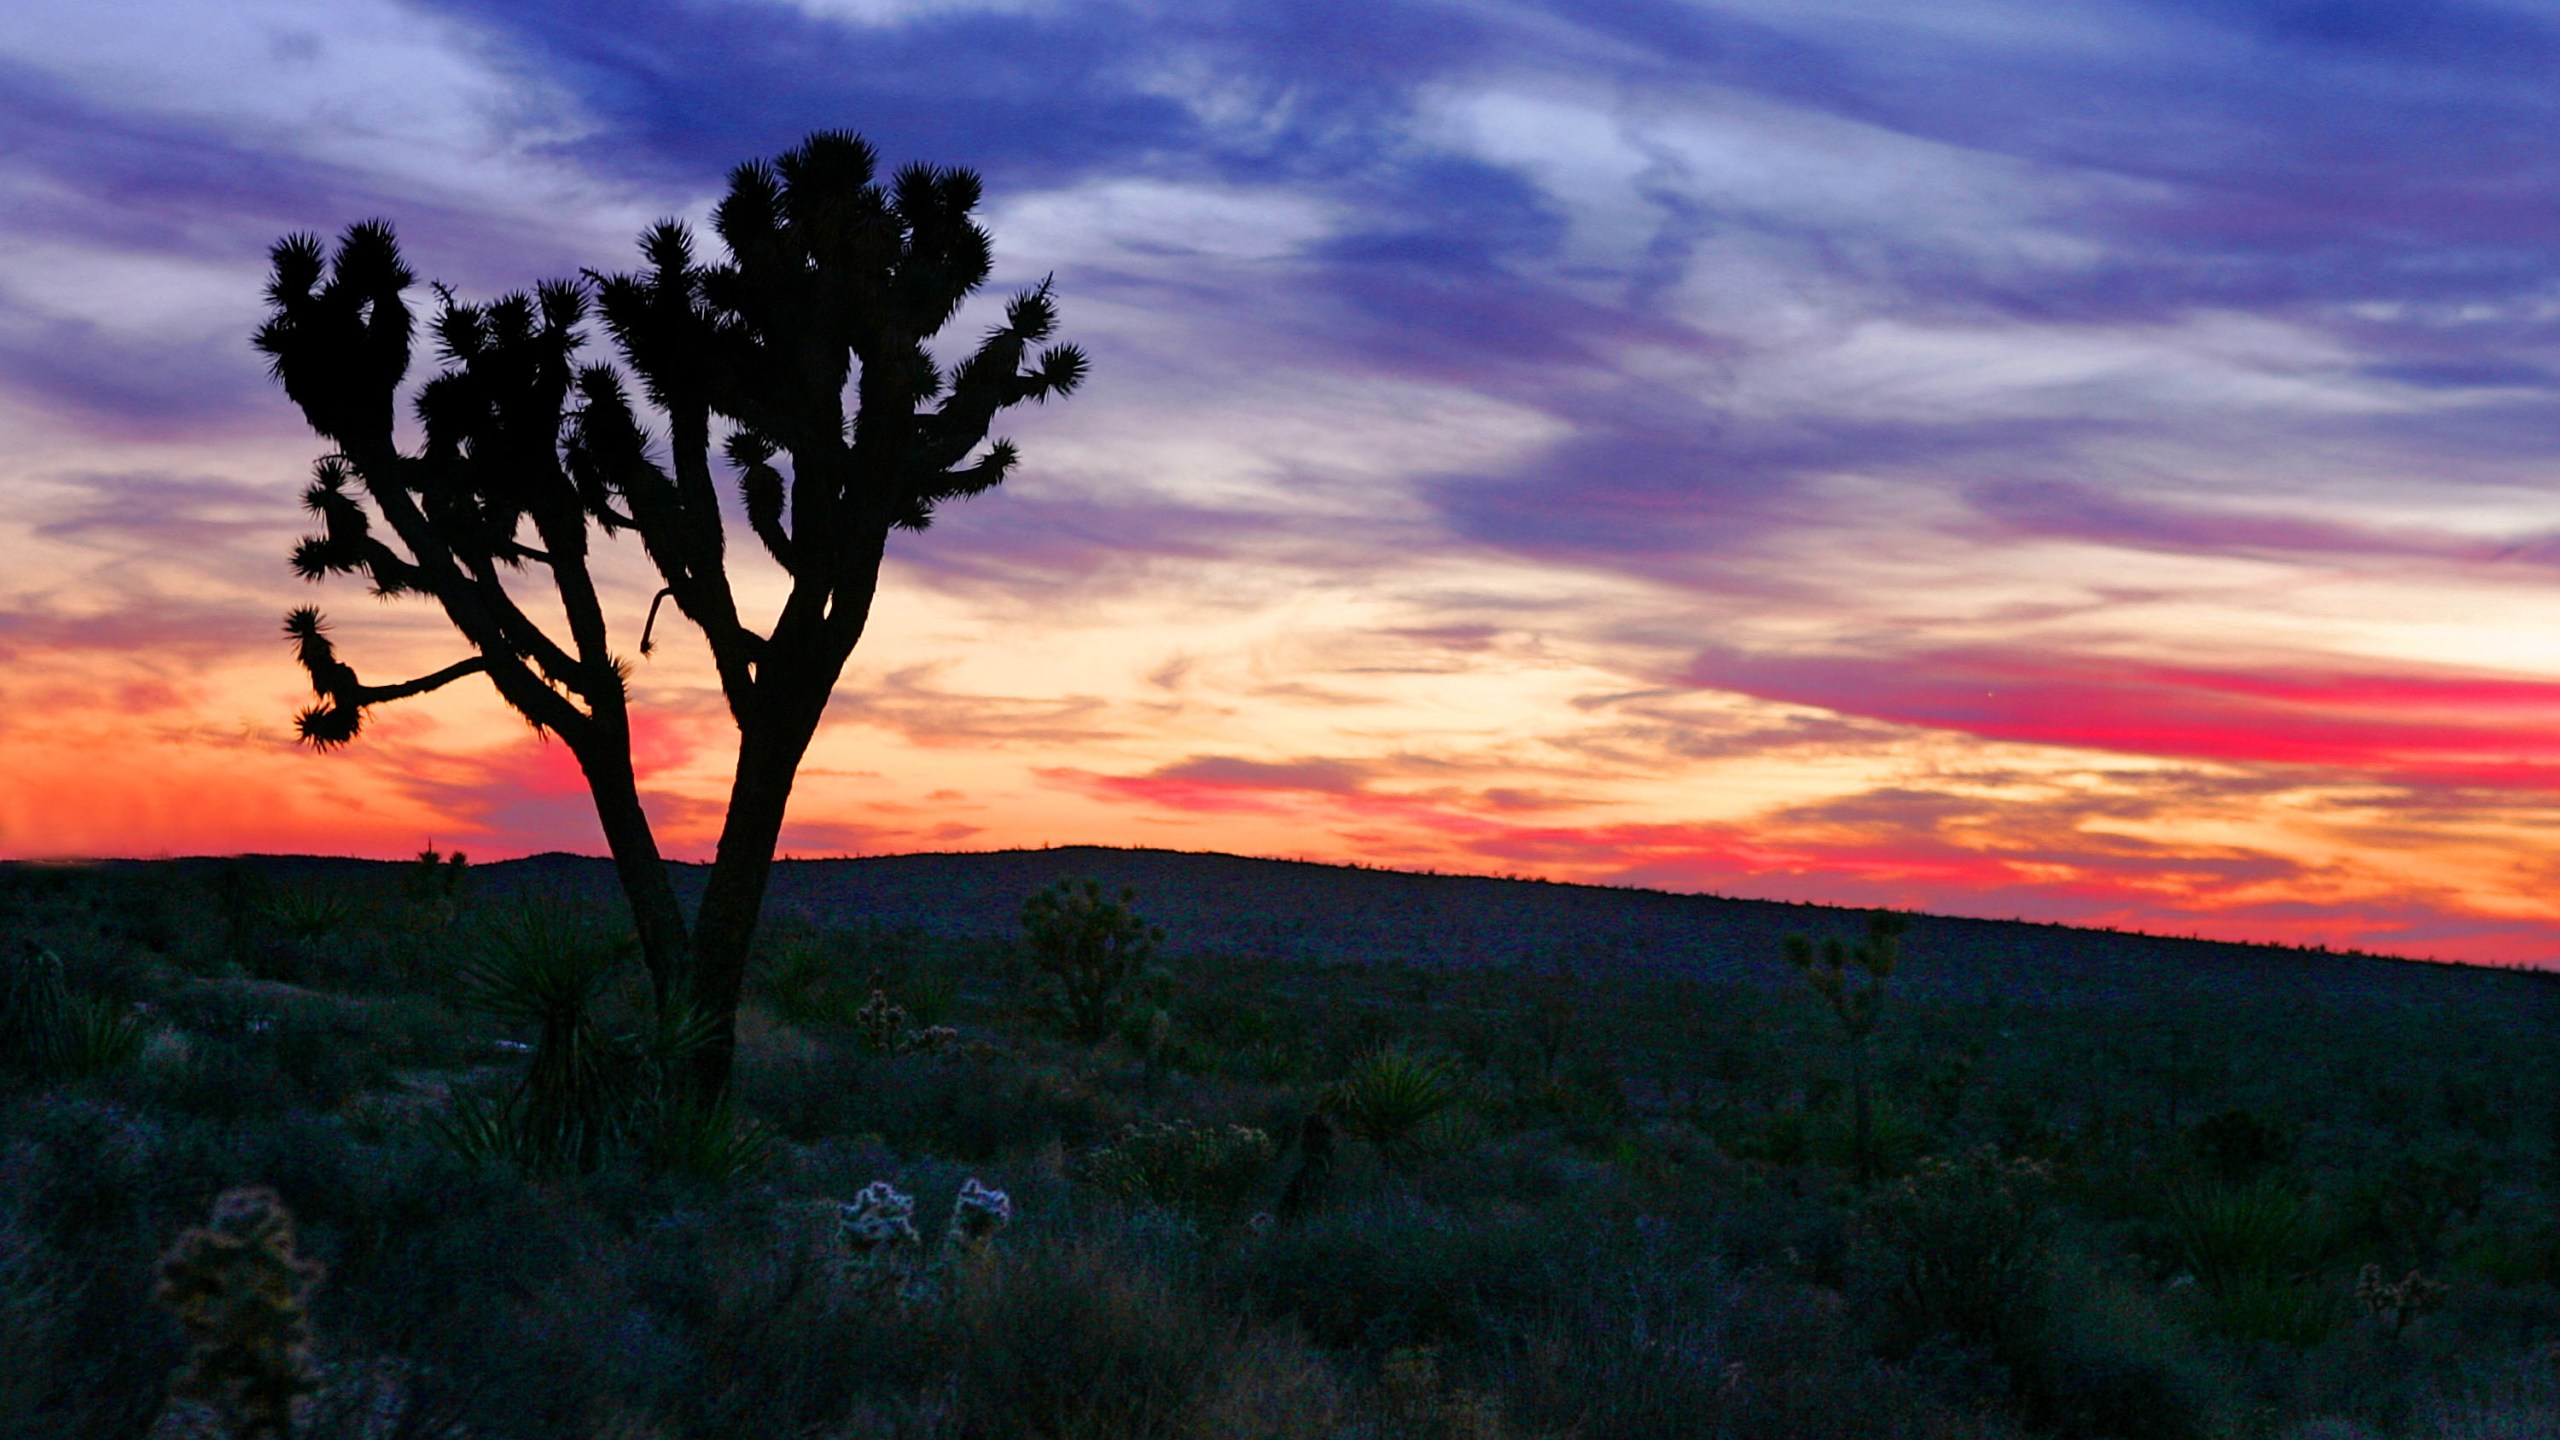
2052	419
2416	726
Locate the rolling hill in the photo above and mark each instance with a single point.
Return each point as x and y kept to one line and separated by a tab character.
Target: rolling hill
1212	904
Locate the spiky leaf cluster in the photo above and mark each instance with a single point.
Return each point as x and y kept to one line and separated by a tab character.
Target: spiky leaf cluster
832	282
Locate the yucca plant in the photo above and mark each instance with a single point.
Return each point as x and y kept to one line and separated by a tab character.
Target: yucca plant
99	1036
541	964
2248	1248
1391	1096
304	913
544	965
707	1142
800	984
2231	1234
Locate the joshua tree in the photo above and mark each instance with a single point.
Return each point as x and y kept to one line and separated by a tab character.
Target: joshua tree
1856	1004
831	281
1094	947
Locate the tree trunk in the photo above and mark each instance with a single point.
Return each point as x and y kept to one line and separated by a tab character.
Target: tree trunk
655	912
733	901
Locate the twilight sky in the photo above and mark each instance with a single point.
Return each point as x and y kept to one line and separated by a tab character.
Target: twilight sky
2082	461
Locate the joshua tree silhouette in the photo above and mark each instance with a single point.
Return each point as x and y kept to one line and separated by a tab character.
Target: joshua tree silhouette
831	279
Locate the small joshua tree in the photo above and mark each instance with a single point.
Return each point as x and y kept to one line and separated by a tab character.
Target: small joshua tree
433	884
1851	980
237	1288
1092	947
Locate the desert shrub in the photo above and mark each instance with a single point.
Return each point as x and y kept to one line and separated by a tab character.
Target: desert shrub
1781	1137
2105	1361
976	1109
1393	1272
32	1290
769	1343
1632	1344
225	1078
979	1108
2402	1211
1391	1096
1271	1386
86	1354
322	1057
808	1091
1970	1244
1081	1342
1798	1366
2236	1146
2513	1250
1587	1098
1895	1140
1415	1400
270	1046
1206	1173
930	993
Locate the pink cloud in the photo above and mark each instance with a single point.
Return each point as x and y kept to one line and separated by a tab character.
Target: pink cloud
2409	725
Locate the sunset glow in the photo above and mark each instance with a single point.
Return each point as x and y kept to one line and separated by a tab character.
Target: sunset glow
2090	464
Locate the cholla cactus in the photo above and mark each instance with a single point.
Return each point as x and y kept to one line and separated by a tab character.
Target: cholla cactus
931	1040
879	1220
881	1022
237	1288
976	1216
2398	1301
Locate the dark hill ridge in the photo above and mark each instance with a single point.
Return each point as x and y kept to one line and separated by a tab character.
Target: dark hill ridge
1213	903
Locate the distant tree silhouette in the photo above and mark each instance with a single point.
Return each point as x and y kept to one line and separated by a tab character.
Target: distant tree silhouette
831	279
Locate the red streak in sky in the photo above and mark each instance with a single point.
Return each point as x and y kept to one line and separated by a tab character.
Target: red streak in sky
2417	728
